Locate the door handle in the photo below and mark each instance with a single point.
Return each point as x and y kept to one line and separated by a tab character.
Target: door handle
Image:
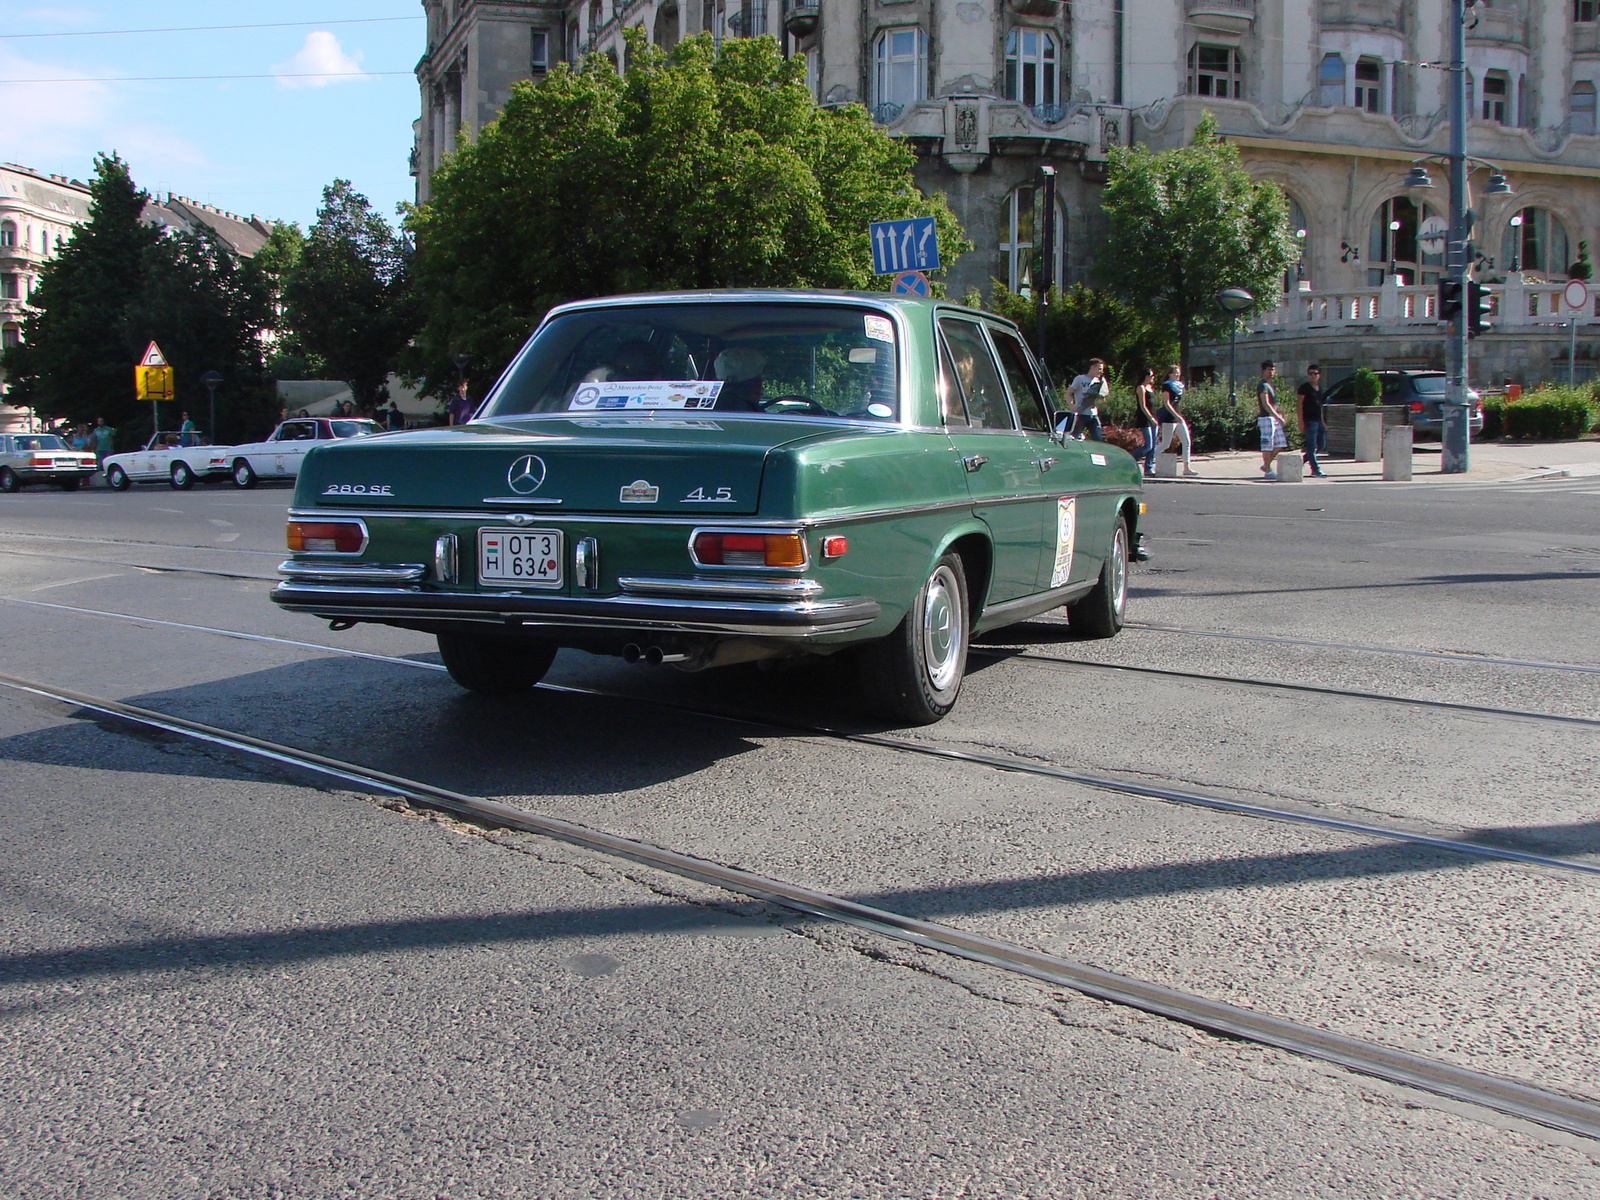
973	461
1045	463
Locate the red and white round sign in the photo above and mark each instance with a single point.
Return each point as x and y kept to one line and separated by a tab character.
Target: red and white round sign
1575	295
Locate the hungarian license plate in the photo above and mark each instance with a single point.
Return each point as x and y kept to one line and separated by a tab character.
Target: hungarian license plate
520	557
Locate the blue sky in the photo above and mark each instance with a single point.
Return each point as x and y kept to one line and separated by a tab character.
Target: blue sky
335	100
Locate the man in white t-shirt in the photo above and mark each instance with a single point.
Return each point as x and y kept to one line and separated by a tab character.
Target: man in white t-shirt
1270	420
1087	390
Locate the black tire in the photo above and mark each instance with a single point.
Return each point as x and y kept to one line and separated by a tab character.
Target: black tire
117	479
914	675
1101	613
244	475
68	485
182	477
8	480
494	666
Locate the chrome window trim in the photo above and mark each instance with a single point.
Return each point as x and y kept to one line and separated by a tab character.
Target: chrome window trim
796	528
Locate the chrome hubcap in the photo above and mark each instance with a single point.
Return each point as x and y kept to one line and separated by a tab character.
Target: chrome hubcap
1119	571
942	629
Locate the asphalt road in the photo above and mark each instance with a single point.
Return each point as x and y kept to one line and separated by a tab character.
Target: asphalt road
224	978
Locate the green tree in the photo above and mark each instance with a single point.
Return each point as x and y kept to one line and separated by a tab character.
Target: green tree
206	308
702	168
77	355
1188	222
1083	323
347	302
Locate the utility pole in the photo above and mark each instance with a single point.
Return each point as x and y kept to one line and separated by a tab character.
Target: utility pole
1047	250
1455	436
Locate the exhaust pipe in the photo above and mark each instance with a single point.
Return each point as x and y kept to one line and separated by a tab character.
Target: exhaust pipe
631	653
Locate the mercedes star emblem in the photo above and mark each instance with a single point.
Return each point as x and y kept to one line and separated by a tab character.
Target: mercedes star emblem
526	474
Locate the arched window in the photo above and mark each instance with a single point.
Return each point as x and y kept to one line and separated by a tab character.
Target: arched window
594	20
1582	105
1536	240
1031	67
900	71
1215	71
44	241
8	233
1300	232
1497	97
1393	244
666	31
1021	241
1330	81
1369	85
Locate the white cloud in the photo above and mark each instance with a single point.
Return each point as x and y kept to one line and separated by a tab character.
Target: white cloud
321	60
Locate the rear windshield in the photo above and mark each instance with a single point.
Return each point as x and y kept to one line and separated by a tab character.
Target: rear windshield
344	429
1429	385
749	358
40	441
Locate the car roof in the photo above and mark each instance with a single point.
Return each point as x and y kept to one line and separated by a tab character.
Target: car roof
735	295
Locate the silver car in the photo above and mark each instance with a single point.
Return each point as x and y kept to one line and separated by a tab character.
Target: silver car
42	458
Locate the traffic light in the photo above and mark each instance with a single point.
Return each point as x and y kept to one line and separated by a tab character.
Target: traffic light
1477	310
1449	299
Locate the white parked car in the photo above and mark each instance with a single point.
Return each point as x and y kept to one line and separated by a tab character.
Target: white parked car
279	456
177	458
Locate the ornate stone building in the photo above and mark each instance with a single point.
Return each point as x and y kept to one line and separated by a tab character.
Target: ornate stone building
1331	99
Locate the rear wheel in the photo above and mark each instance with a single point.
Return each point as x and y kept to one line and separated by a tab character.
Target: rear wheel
182	476
1100	614
8	480
244	475
116	478
494	666
914	675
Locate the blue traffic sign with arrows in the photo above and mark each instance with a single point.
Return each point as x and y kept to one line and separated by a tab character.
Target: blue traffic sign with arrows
911	245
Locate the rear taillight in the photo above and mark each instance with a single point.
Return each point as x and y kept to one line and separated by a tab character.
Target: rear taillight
749	549
327	537
1416	406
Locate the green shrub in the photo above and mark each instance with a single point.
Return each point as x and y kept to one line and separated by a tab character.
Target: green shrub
1368	386
1549	414
1494	418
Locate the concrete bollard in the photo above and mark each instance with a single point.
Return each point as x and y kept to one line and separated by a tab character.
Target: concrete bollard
1369	437
1166	466
1397	453
1291	468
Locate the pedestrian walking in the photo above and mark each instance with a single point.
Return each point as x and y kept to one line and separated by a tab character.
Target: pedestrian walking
1311	426
1087	390
1144	411
461	405
1170	418
105	439
1270	420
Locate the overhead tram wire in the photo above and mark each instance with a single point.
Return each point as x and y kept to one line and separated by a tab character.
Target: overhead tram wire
17	37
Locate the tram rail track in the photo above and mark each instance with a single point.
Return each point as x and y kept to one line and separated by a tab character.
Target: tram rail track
1542	1106
999	762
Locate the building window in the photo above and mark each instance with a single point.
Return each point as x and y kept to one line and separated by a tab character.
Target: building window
44	241
1031	67
1330	81
1496	96
1369	84
900	59
1299	230
1020	244
1585	10
10	289
538	54
1214	71
1583	107
1537	242
1393	246
594	21
8	234
10	336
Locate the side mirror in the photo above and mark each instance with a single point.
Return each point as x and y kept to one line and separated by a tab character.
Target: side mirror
1060	422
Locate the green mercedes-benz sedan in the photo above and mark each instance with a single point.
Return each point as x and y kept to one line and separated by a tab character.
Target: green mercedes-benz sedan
706	478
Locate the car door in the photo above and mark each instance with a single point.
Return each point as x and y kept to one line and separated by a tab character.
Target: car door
287	448
1077	509
1000	459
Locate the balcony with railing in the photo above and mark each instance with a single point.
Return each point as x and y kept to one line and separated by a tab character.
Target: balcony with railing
1382	14
800	17
1518	303
1497	26
1226	16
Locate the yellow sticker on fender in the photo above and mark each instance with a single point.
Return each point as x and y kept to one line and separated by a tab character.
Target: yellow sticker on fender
1066	534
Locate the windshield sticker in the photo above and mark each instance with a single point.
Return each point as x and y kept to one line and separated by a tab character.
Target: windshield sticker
640	491
880	329
643	423
880	410
1066	533
648	394
1098	460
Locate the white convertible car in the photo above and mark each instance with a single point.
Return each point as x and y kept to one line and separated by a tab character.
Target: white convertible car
176	458
279	456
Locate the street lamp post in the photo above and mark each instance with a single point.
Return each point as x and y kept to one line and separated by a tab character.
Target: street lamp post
1516	243
211	379
1234	301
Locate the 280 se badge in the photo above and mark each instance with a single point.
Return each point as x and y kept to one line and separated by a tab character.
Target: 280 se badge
887	487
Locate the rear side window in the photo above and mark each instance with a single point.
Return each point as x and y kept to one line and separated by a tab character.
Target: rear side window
977	374
1024	383
951	406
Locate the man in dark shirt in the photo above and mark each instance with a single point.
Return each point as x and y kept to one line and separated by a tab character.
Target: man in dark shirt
1316	435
